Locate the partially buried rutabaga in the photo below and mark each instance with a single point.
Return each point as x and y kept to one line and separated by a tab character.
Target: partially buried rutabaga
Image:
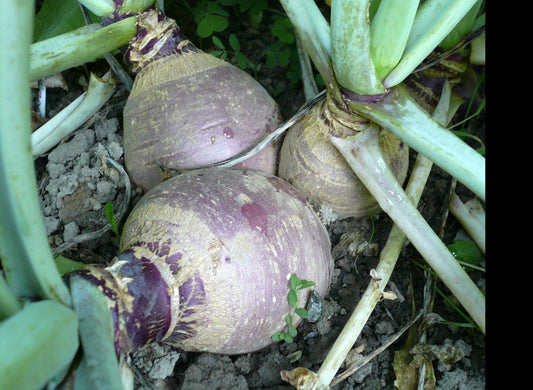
188	109
205	261
310	162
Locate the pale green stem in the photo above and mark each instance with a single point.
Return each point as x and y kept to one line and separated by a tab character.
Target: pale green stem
363	154
9	303
37	344
26	256
314	33
434	20
388	257
389	32
73	116
78	47
399	114
477	53
135	5
350	47
462	29
99	7
308	81
96	329
471	216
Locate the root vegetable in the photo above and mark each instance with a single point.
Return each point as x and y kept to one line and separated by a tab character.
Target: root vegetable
188	109
206	259
310	162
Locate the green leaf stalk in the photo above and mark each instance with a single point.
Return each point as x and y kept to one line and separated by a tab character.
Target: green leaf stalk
26	256
402	116
78	47
351	51
42	335
74	115
371	94
471	216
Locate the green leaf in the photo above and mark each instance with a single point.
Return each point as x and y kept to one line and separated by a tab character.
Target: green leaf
292	331
57	17
229	3
287	338
111	218
241	60
278	54
304	284
255	19
277	336
215	9
301	312
284	57
211	23
37	343
288	319
466	251
293	298
293	281
271	60
283	30
245	5
66	266
223	55
255	15
218	43
234	42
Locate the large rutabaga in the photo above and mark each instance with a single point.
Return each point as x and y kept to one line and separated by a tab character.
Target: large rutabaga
206	259
189	109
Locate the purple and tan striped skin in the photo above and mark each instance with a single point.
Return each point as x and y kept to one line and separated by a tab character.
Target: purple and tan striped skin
188	109
206	259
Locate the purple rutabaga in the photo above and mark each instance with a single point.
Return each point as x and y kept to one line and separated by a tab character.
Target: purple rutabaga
205	261
189	109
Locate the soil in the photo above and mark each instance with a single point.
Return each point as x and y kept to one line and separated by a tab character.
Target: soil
75	183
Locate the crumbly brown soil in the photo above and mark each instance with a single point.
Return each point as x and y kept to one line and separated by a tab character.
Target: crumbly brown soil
74	187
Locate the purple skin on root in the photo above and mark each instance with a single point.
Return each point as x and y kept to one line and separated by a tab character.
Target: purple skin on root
188	109
350	95
149	319
219	245
211	126
250	231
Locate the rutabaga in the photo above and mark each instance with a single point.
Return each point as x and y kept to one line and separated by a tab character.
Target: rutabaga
315	167
189	109
205	262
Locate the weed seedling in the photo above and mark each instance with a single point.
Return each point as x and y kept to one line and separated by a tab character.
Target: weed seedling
296	285
222	53
110	215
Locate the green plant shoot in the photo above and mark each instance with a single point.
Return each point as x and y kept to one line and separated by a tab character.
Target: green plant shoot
292	296
110	215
